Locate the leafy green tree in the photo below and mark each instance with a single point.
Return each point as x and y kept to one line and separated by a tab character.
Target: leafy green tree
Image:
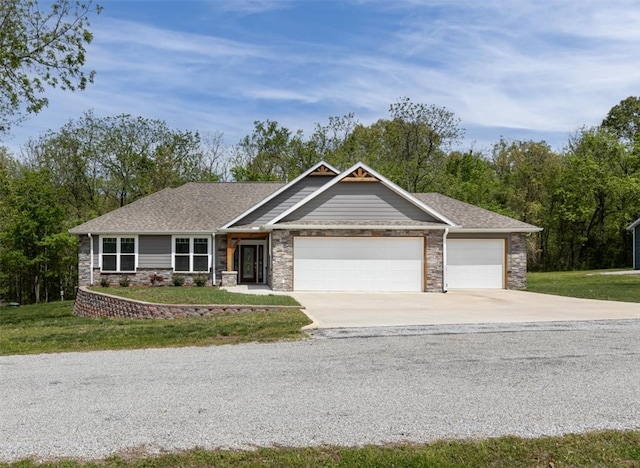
598	197
103	163
624	120
40	49
528	173
470	177
418	137
366	144
38	258
328	142
271	152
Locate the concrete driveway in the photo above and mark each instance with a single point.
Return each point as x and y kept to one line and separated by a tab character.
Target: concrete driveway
338	310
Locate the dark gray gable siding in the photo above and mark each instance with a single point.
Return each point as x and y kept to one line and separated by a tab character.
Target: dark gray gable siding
154	251
285	200
359	201
636	241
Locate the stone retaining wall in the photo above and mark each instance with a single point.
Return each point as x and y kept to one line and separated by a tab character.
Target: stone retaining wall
95	304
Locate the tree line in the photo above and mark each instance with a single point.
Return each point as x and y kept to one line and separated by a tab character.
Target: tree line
583	196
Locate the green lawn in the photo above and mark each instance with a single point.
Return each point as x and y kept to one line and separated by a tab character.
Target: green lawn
587	284
610	448
52	328
195	295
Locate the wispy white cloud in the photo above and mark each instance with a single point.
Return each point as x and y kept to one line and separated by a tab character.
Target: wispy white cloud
251	6
530	69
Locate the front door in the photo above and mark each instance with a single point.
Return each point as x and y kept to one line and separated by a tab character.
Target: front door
248	264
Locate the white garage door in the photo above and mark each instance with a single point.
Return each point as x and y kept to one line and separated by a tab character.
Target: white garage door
357	264
475	263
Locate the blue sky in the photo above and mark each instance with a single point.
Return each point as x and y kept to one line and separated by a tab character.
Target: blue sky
523	69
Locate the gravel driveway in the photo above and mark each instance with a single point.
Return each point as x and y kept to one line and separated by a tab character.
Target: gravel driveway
330	391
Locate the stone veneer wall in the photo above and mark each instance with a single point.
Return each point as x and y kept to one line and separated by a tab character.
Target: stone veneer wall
517	261
282	260
142	277
282	252
84	261
94	304
435	265
221	256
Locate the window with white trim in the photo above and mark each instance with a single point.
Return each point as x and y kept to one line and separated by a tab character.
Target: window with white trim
118	254
191	254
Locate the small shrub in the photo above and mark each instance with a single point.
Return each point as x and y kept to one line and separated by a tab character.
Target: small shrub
200	280
155	278
104	282
178	280
124	282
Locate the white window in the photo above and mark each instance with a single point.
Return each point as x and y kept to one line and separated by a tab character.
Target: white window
118	254
191	254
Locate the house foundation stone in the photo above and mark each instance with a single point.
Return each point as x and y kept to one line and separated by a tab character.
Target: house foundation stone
434	259
282	260
517	261
229	278
84	261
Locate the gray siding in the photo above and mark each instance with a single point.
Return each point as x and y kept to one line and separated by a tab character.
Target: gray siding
154	252
359	201
636	243
285	200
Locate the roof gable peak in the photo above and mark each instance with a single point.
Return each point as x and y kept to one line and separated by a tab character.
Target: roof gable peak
321	168
363	173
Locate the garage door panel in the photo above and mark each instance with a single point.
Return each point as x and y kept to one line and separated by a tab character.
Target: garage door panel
475	263
357	264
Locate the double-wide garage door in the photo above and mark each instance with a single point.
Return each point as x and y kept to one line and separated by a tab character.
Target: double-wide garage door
475	263
358	263
392	264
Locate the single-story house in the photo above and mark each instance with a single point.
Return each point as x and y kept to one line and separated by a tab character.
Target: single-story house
324	231
635	229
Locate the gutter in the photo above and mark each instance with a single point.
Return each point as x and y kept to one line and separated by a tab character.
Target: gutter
412	227
494	230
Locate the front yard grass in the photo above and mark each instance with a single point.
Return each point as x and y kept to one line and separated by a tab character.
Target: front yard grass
609	448
194	295
52	328
587	284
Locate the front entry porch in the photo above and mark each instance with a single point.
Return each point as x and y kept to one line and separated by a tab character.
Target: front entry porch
247	259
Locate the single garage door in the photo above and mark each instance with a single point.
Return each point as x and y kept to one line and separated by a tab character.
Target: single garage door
357	264
475	263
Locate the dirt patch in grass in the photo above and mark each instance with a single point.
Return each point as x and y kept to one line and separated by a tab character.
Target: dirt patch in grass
609	448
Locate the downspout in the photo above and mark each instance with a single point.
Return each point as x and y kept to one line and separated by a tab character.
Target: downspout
269	264
90	258
213	260
444	260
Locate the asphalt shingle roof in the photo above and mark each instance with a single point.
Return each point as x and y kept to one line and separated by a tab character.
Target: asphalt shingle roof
470	216
205	207
194	207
